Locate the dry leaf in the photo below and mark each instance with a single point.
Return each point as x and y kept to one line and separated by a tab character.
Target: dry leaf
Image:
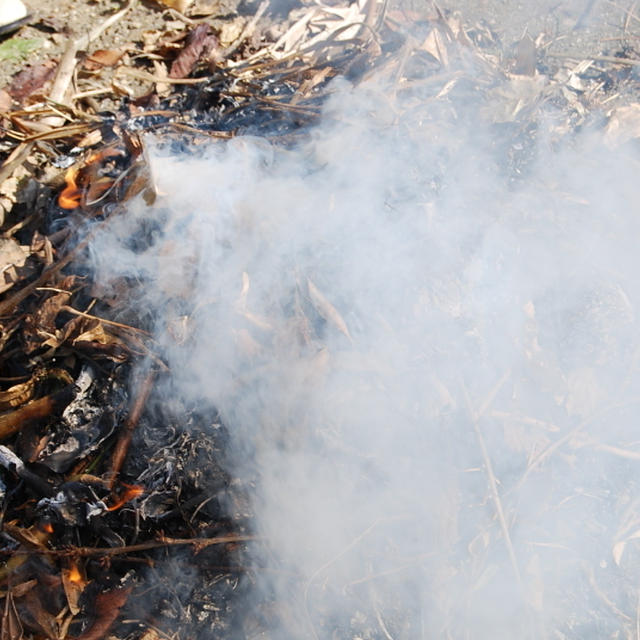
42	248
326	309
41	324
12	260
163	89
31	79
5	101
74	584
17	395
623	125
108	607
103	58
178	5
11	628
231	31
37	617
520	94
200	42
436	46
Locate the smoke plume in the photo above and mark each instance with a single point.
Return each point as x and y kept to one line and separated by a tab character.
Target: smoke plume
426	355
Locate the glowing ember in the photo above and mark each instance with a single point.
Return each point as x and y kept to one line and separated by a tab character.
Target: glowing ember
47	527
71	196
131	491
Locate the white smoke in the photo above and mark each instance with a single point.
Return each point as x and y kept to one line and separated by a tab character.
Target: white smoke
429	367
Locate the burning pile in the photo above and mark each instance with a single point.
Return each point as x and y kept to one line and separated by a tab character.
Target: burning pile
382	348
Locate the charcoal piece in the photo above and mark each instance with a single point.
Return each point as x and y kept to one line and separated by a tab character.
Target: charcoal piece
74	505
86	422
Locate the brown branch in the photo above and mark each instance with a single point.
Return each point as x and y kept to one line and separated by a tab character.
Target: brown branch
84	552
11	423
126	434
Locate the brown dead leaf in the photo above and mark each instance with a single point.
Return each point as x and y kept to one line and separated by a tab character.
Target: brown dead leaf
19	590
41	324
5	101
178	5
32	537
108	605
163	89
94	333
200	42
12	263
31	79
42	248
104	58
326	309
90	335
17	395
11	628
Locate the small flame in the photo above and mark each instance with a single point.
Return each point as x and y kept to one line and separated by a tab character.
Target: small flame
74	574
47	527
71	196
131	491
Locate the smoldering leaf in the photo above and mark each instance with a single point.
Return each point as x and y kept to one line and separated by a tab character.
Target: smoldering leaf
74	585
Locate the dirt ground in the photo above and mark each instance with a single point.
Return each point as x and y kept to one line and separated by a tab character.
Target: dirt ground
579	27
54	23
575	27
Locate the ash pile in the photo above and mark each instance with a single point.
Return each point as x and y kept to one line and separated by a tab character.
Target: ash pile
329	334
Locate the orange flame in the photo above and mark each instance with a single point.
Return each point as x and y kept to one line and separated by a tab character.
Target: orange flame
71	196
47	527
132	491
74	574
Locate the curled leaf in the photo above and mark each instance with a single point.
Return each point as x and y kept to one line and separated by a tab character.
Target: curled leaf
326	309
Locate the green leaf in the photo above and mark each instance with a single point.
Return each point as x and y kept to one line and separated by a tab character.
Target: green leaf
18	48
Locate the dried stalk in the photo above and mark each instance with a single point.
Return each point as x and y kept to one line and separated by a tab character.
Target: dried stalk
11	423
84	552
493	484
124	440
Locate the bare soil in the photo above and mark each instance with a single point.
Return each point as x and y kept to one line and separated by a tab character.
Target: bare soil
53	24
567	27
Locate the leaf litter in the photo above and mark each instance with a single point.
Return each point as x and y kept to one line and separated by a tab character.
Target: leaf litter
69	428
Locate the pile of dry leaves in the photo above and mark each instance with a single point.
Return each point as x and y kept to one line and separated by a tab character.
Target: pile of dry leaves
85	520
